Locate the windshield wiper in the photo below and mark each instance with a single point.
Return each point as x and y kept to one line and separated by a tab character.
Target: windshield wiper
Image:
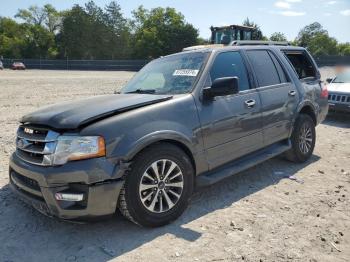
142	91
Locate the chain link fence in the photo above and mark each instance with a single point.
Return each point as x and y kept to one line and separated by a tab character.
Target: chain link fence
332	60
66	64
128	65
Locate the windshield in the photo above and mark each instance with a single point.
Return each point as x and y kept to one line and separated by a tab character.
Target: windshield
342	78
174	74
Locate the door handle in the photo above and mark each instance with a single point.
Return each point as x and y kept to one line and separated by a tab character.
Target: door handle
250	103
292	93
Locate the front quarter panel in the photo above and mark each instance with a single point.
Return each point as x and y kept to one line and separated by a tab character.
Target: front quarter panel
128	133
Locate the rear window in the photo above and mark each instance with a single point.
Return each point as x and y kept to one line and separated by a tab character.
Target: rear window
301	63
264	68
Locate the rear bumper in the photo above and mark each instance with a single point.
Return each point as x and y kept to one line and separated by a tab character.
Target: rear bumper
339	107
38	185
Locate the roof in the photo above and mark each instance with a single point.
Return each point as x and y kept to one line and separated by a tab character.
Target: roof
215	28
242	44
259	42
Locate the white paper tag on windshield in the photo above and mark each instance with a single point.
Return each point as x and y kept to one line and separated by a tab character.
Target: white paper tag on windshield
186	72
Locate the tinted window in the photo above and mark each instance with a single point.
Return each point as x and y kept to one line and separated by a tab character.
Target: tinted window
281	73
230	64
265	70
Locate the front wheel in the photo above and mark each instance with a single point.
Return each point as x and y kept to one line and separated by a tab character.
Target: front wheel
303	139
158	187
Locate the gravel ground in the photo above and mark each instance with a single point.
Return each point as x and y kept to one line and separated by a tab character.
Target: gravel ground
259	215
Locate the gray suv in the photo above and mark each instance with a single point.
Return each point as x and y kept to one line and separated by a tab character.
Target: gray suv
185	120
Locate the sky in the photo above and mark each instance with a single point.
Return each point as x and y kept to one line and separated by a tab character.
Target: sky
287	16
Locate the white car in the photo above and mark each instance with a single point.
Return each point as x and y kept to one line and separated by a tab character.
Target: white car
339	92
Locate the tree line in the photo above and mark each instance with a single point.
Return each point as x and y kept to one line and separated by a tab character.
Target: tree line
94	32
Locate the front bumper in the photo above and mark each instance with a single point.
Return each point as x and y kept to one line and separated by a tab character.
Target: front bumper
97	179
339	107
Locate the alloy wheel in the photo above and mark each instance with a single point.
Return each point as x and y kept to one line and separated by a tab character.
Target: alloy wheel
305	139
161	186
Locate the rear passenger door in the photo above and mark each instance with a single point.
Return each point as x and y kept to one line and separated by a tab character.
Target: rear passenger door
279	96
231	125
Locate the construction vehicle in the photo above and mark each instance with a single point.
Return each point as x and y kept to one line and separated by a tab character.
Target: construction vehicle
227	34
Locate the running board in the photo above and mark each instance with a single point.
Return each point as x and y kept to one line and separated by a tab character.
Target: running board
242	163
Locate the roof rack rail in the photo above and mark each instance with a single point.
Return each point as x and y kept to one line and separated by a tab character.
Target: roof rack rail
196	47
258	42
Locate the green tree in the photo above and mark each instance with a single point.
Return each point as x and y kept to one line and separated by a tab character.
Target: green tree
53	18
74	36
316	40
12	38
118	24
46	16
343	49
39	43
161	31
257	34
41	24
25	40
309	32
34	15
278	36
99	35
91	32
321	44
203	41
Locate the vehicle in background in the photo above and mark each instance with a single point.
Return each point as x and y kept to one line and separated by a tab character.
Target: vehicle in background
184	121
18	66
1	66
227	34
339	92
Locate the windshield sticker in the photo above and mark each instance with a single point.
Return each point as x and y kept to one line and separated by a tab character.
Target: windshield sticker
186	72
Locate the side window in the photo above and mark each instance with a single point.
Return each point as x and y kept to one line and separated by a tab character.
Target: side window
230	64
301	63
279	68
264	68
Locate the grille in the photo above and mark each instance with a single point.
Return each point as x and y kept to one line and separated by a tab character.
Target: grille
341	98
26	185
26	181
35	145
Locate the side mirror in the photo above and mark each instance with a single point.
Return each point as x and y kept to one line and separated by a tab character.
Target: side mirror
328	80
222	87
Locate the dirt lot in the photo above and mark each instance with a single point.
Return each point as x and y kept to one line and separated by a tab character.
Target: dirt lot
258	215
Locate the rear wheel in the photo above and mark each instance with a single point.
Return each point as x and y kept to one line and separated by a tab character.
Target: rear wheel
303	139
158	187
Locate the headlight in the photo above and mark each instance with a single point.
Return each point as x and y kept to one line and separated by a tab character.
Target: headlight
71	148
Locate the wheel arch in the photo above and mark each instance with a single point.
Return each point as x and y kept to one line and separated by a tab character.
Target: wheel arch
308	109
175	139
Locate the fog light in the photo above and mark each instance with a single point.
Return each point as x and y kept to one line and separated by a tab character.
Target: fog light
69	197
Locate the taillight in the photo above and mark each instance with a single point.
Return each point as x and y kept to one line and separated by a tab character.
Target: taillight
324	91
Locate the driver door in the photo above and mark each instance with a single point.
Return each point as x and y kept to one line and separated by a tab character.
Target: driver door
232	124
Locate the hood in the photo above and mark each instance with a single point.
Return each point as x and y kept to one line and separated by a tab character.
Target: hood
74	114
339	87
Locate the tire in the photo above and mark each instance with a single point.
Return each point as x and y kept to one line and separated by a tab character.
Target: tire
161	203
303	139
